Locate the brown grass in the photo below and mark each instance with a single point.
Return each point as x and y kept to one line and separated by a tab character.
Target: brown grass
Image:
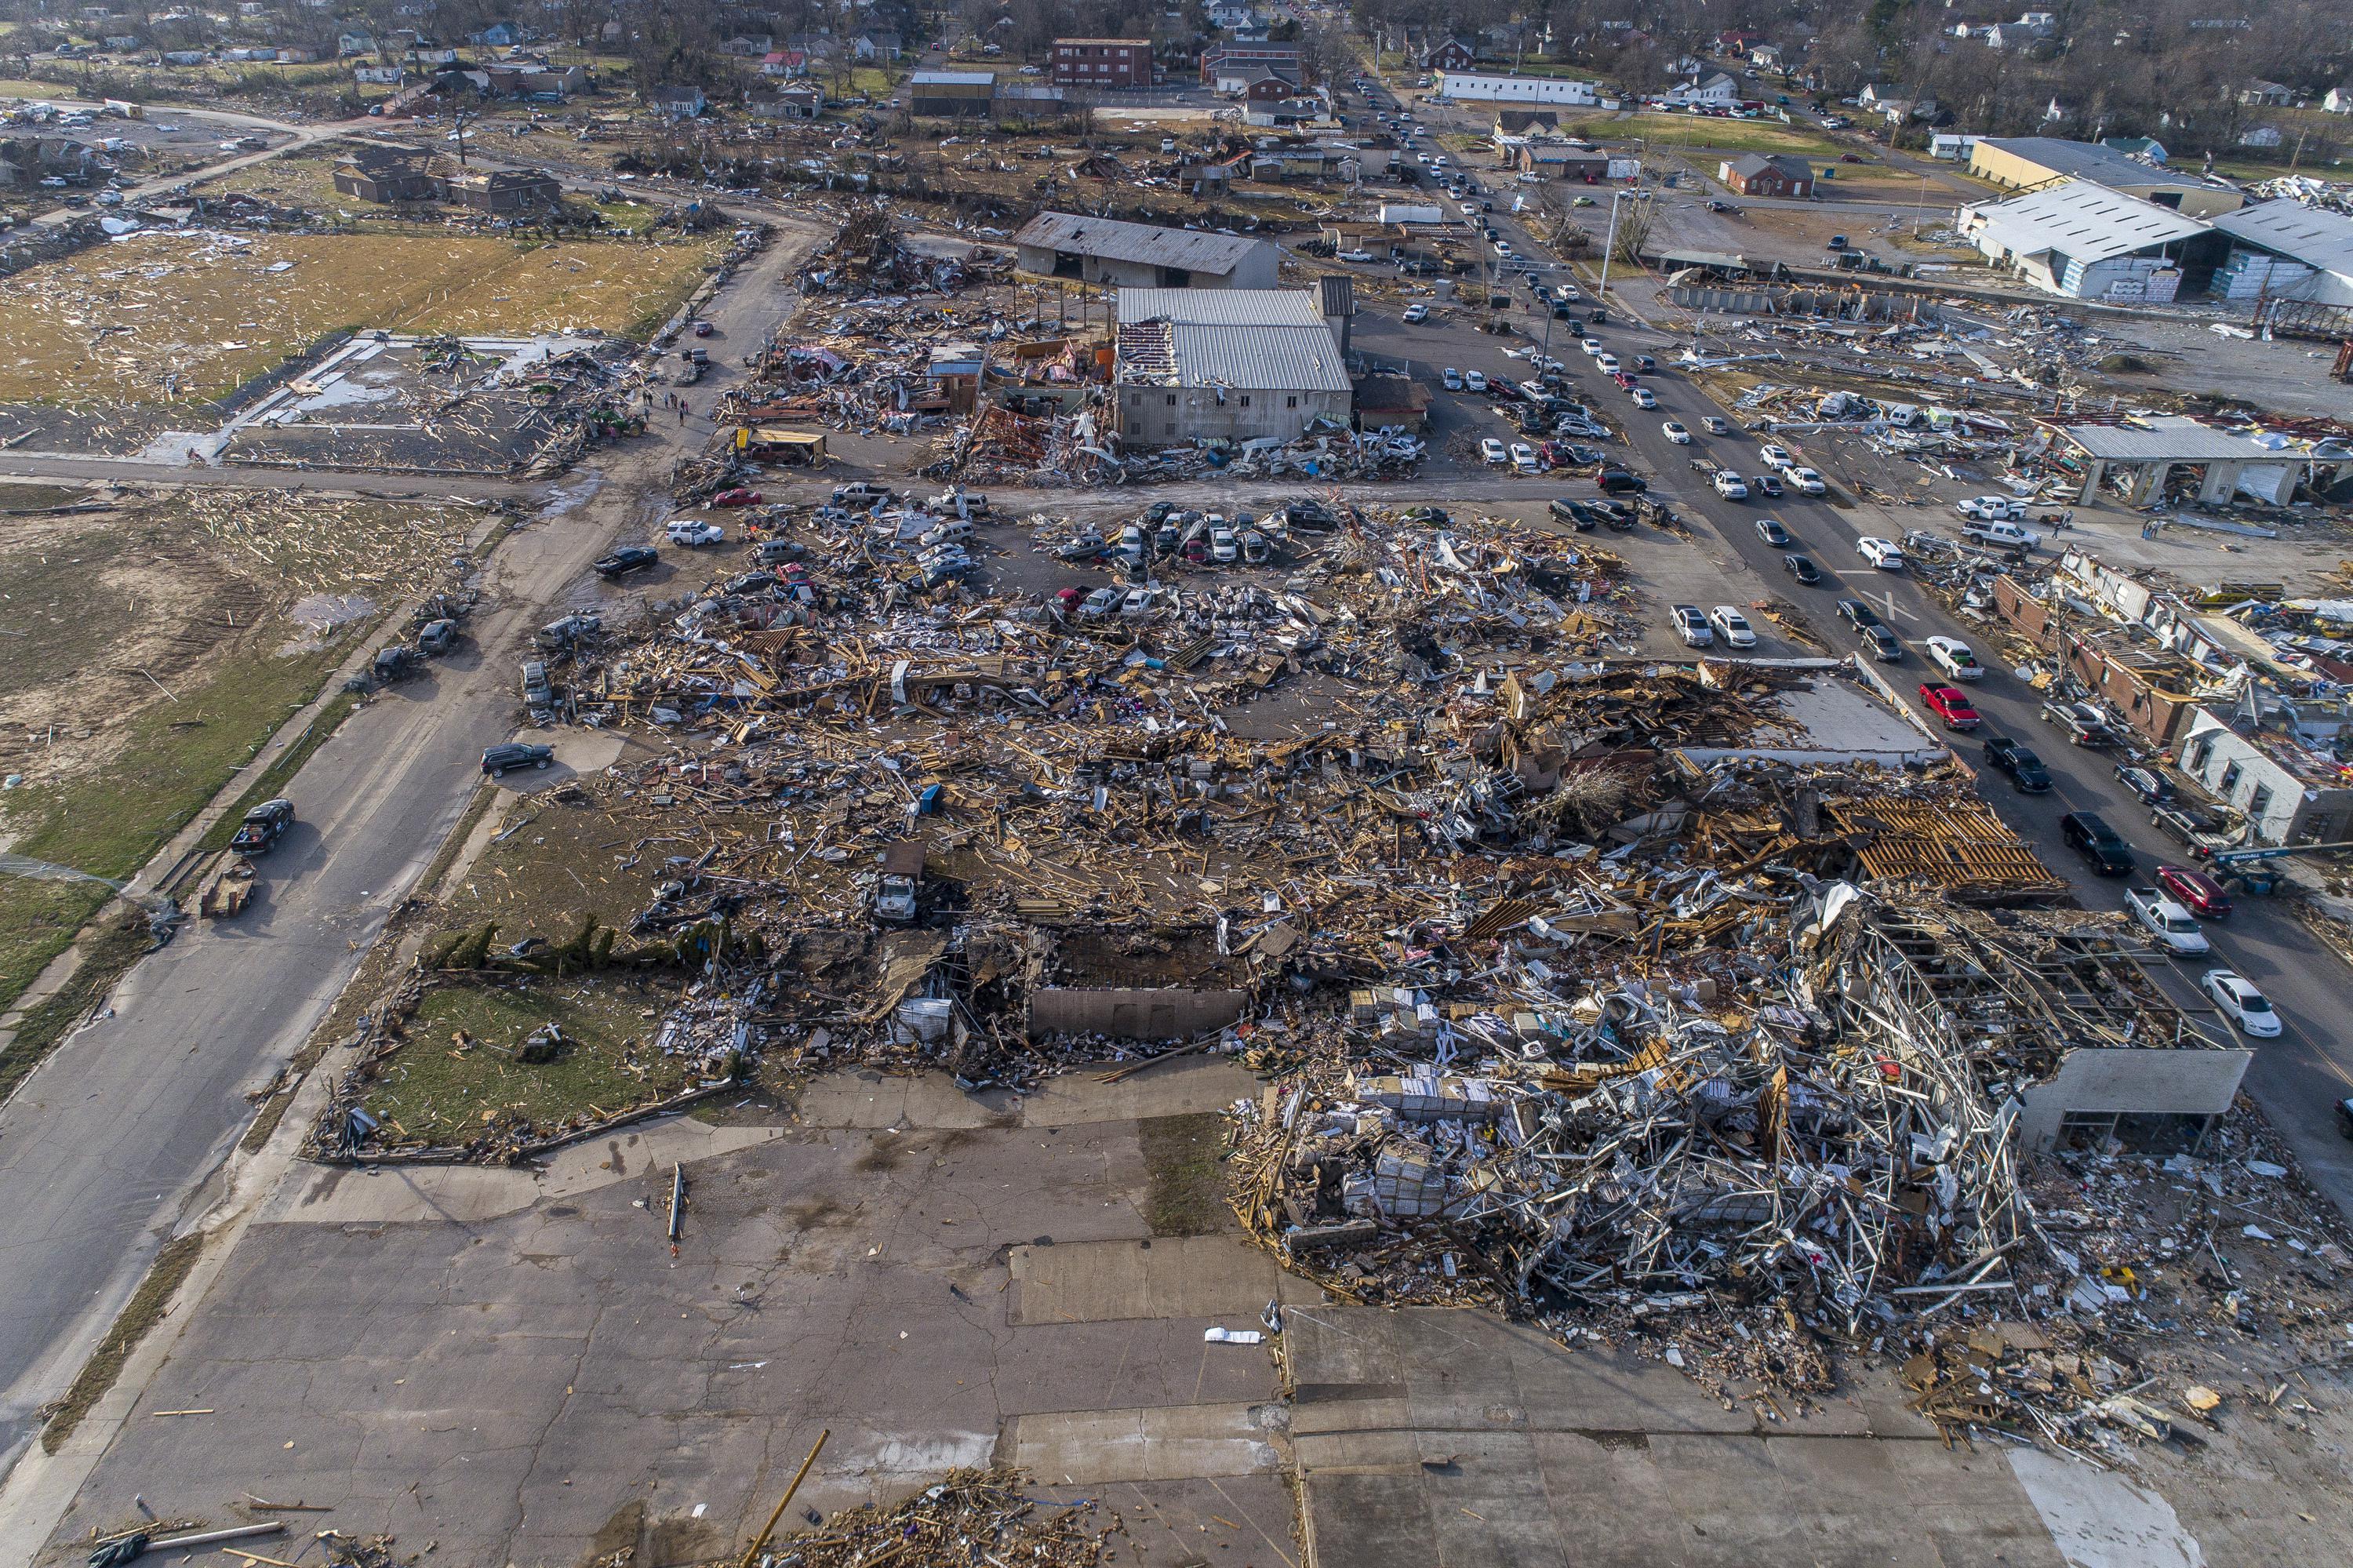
115	323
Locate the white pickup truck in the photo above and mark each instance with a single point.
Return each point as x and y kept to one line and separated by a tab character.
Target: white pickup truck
2172	925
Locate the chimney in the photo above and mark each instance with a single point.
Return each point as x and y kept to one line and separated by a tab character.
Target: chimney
1339	305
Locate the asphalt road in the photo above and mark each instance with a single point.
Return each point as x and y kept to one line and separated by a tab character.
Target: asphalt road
113	1141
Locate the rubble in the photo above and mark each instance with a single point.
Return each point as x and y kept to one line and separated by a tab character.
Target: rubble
970	1517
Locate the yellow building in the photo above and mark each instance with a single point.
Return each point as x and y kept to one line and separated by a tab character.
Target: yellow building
2028	163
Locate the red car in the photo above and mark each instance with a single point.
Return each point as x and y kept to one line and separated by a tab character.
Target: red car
1949	703
739	496
2194	891
702	329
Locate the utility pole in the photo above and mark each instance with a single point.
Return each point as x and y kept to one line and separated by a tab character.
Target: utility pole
1608	243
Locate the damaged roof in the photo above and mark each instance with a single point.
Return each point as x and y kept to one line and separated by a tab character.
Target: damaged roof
2319	238
1141	243
2085	220
1272	340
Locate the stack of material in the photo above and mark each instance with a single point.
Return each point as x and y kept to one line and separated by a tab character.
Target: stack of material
973	1517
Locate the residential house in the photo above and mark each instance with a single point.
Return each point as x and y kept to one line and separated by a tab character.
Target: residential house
1952	146
1448	54
431	54
785	64
2339	101
497	35
1760	174
501	191
804	103
2261	94
749	46
1283	59
373	75
1707	90
354	44
1228	367
2145	147
370	172
1105	250
1228	14
1513	126
1765	56
677	102
877	44
123	43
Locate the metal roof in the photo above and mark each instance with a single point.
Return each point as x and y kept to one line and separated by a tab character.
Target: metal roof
2088	221
1141	243
2088	161
1270	340
2319	238
953	77
2169	439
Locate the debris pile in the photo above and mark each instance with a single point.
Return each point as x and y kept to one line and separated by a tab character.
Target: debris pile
972	1517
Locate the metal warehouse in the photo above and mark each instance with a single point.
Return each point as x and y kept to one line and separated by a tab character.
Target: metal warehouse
1140	256
1232	365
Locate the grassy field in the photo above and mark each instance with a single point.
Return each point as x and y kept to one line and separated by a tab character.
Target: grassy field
115	324
1695	134
458	1069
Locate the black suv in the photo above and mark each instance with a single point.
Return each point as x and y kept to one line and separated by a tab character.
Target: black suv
2097	842
515	754
2027	774
1576	514
1802	567
1618	481
1856	613
632	558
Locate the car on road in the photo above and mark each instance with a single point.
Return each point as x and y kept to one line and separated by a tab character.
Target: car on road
262	828
2090	836
1730	485
1769	529
628	558
1474	381
1949	703
2027	774
1856	613
1805	480
742	495
2144	782
703	329
1882	644
694	531
1523	458
2175	928
499	760
1676	433
1607	363
1450	378
1352	256
1952	655
1774	457
1991	509
2194	891
1643	398
2244	1005
1881	553
1716	425
1765	484
1416	312
1802	567
1495	452
1592	346
1733	627
1691	625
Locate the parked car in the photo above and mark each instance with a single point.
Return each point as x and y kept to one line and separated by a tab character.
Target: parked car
1619	482
263	826
2027	774
1949	703
627	559
1224	548
1802	567
2089	836
1576	514
2175	928
1494	450
1992	508
1881	553
1099	603
1474	381
538	693
2244	1005
1769	529
1523	458
1691	625
1952	655
1730	485
2195	891
742	495
694	531
2144	782
436	637
1733	627
1450	378
1416	312
1676	433
499	760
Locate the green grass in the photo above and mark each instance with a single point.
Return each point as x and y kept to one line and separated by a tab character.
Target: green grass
109	954
177	757
281	771
1184	1164
1694	132
435	1092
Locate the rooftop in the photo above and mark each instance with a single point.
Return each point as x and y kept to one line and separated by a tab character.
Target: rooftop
1251	340
2084	219
2319	238
951	78
1193	250
2088	161
2168	437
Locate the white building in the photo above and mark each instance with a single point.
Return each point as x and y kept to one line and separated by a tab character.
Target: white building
1471	87
1230	364
2084	241
2284	251
1713	89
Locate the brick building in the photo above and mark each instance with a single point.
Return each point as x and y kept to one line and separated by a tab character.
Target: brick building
1103	62
1755	175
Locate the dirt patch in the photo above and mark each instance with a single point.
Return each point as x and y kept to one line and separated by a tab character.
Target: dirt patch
145	1310
169	317
1184	1162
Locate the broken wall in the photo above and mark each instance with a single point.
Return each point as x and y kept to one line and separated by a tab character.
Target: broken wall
2130	1081
1166	1014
